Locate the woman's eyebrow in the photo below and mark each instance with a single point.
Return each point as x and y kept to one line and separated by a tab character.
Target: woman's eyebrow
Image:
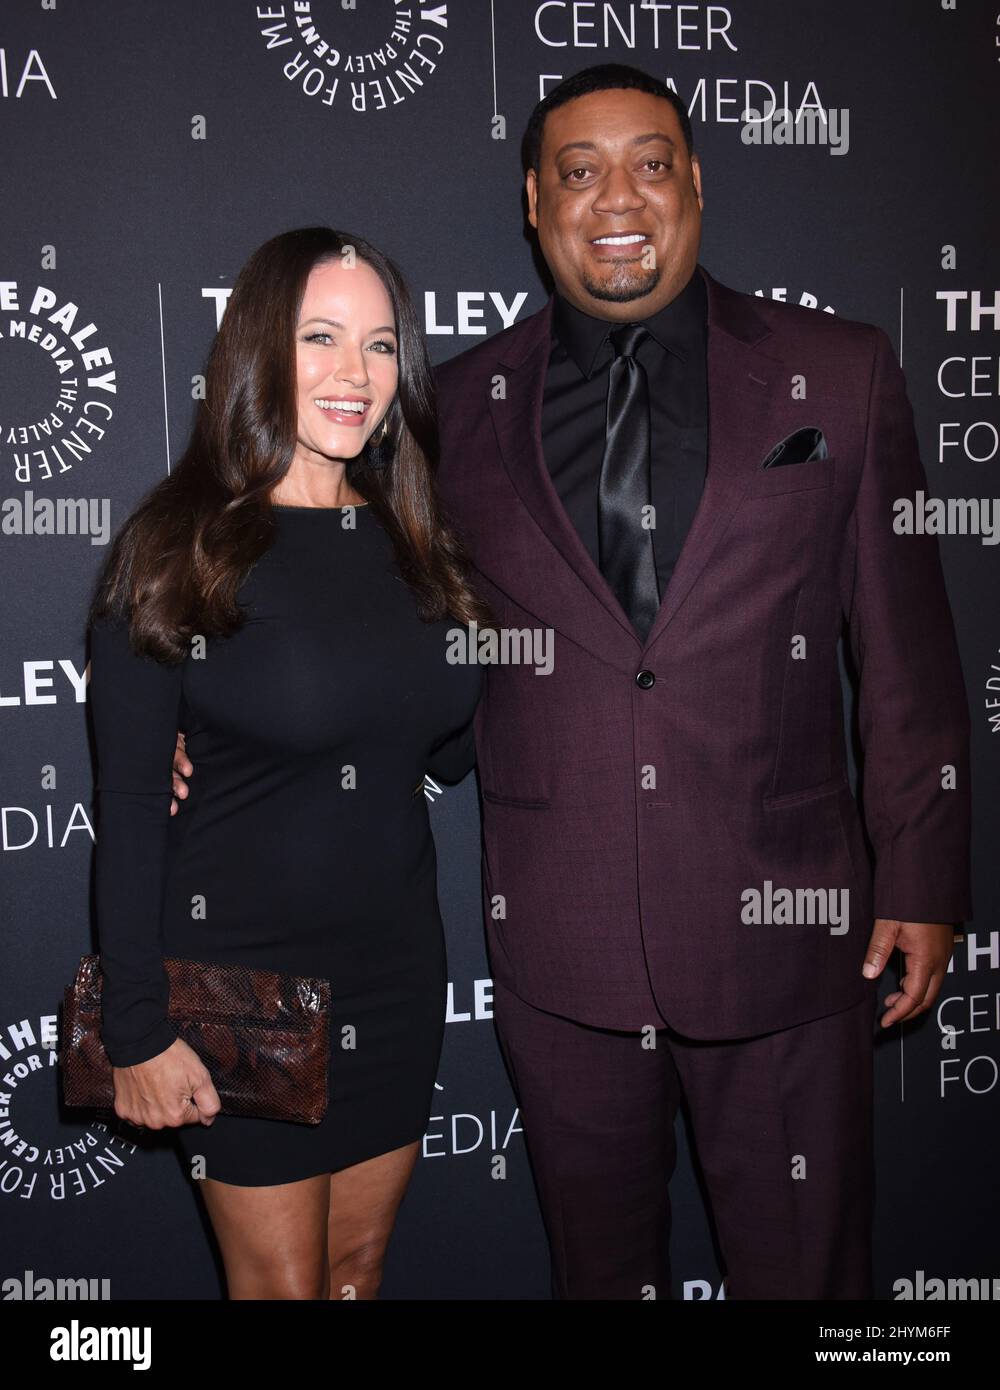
383	328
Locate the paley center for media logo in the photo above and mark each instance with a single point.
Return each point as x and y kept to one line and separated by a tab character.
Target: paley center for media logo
40	1156
60	385
361	57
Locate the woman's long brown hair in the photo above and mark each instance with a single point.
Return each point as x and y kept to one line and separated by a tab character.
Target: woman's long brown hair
176	564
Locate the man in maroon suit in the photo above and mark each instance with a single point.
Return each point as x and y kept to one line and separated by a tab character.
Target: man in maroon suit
692	488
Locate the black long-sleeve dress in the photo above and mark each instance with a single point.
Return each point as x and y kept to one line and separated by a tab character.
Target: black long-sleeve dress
304	845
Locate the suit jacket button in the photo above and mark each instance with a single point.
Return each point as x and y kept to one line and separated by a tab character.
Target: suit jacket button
645	679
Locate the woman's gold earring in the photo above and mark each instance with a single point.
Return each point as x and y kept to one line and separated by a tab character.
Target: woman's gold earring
378	454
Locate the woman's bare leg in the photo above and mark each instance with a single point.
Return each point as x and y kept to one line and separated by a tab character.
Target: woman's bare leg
363	1203
273	1239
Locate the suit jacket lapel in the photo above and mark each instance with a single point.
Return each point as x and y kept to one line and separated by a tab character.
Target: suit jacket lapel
743	382
572	575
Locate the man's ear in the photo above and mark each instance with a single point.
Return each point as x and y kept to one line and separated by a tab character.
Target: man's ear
696	180
531	189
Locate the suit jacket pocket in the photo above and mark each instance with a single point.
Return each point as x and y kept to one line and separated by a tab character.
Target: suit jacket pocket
528	803
798	798
794	477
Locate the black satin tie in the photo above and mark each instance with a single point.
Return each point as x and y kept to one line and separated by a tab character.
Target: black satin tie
626	544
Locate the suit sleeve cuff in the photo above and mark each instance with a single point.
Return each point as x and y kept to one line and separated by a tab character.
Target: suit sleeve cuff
914	886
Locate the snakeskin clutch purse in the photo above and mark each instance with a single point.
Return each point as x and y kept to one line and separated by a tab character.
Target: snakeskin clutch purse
263	1036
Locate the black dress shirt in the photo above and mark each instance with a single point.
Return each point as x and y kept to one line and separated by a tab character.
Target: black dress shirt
574	415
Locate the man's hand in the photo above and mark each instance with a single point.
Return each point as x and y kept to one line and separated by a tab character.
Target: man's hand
927	948
182	765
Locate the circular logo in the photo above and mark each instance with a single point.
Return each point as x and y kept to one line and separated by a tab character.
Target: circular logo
44	1154
783	295
60	384
362	59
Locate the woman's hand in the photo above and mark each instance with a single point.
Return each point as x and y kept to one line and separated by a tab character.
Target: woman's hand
171	1089
183	767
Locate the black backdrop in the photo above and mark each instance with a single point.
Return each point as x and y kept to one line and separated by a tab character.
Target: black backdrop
148	146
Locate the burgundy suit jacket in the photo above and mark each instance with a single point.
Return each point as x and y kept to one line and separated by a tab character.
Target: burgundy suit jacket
624	821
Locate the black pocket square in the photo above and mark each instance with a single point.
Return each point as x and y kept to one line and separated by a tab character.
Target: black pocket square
801	446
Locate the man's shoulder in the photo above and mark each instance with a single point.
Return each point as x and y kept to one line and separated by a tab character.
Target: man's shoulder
483	356
792	325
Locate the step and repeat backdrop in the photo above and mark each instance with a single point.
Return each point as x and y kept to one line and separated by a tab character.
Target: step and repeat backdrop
148	146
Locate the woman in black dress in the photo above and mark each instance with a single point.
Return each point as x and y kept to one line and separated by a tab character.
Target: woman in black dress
284	598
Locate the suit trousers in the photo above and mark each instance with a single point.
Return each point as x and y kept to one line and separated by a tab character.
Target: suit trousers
783	1129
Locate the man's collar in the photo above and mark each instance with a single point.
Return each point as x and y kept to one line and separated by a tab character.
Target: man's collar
678	326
